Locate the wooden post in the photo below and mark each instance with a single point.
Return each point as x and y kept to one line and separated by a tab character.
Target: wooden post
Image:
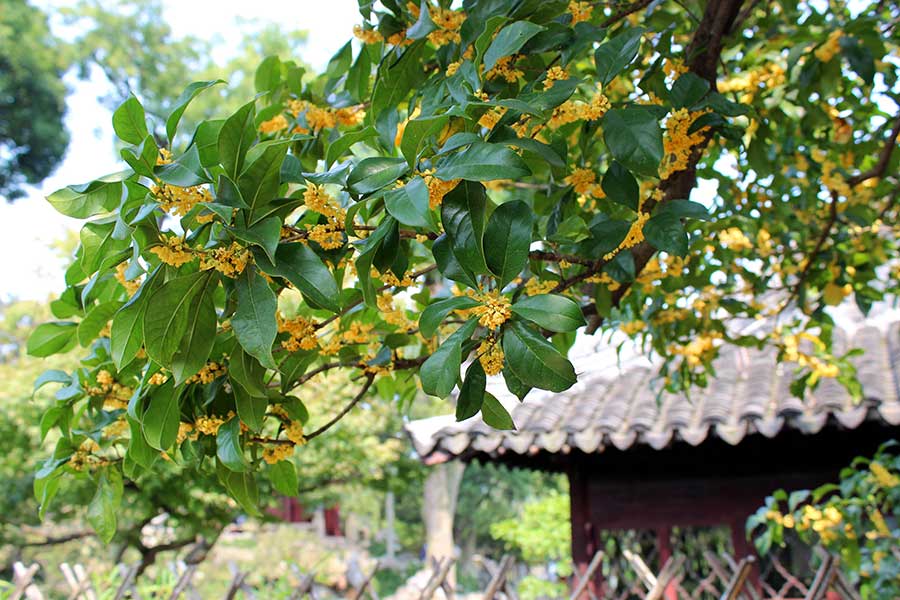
664	547
22	578
499	579
390	531
583	534
587	576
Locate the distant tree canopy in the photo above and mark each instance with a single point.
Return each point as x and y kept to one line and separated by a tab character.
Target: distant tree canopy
33	138
470	187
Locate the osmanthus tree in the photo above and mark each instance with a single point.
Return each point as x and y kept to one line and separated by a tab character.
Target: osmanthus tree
472	185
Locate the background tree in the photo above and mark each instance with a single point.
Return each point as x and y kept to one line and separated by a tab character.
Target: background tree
467	189
33	138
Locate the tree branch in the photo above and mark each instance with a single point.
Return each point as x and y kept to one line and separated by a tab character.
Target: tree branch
362	392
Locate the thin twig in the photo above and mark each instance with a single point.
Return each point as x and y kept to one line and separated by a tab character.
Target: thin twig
362	392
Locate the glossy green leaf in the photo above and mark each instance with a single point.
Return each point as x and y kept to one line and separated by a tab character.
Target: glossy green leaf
550	311
482	161
507	239
130	122
418	130
250	408
471	393
197	343
494	414
265	234
160	421
228	446
535	361
509	41
634	137
254	320
283	476
665	232
89	199
339	147
410	205
435	313
268	74
261	178
243	488
52	338
95	321
372	174
181	104
104	506
464	216
235	138
440	372
613	56
688	90
166	324
620	186
301	266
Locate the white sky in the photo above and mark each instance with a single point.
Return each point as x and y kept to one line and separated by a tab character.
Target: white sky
31	268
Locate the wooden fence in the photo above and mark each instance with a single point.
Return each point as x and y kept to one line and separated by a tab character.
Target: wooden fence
727	580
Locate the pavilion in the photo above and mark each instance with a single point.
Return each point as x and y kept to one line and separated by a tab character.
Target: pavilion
638	460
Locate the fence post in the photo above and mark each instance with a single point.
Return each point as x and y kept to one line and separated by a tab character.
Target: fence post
499	578
739	579
823	578
586	578
441	571
183	582
365	584
22	578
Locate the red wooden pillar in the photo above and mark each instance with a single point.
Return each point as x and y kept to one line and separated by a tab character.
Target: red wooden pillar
743	549
664	547
333	521
584	534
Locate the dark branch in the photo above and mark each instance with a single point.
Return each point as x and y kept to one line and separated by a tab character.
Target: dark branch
362	392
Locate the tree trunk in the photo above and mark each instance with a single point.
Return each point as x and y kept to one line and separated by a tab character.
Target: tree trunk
438	508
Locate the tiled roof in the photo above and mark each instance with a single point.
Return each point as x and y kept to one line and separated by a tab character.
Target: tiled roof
750	394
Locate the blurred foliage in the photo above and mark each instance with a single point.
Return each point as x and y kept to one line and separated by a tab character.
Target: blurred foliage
857	518
33	138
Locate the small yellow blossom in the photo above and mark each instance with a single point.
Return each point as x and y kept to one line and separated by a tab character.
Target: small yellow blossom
734	239
494	309
489	119
274	125
131	286
679	142
490	355
367	36
302	333
276	453
179	200
554	74
174	251
505	69
885	478
831	47
580	11
230	261
209	373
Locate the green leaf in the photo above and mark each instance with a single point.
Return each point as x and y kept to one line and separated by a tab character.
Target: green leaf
471	393
463	214
126	334
396	78
416	131
620	186
160	421
424	25
860	58
261	178
95	321
613	56
166	325
143	158
268	74
301	266
339	147
688	90
206	138
89	199
448	262
634	137
138	449
514	384
235	138
440	372
243	488
283	476
130	122
372	174
189	93
685	209
254	320
435	313
507	239
265	234
482	161
52	338
484	39
50	376
97	243
197	342
665	232
535	361
251	409
228	446
509	41
494	414
551	312
246	371
184	171
101	513
410	205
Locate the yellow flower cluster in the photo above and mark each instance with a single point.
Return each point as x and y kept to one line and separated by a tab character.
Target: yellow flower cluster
390	312
115	395
358	333
632	327
577	110
634	236
452	68
771	75
831	47
535	286
174	251
490	355
834	181
437	188
84	458
210	372
819	367
274	125
505	68
275	453
494	309
179	200
734	239
131	286
209	425
390	279
834	293
698	349
580	11
367	36
555	73
885	478
302	333
678	142
489	119
158	378
584	181
448	24
186	431
230	261
329	235
294	432
318	117
674	68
